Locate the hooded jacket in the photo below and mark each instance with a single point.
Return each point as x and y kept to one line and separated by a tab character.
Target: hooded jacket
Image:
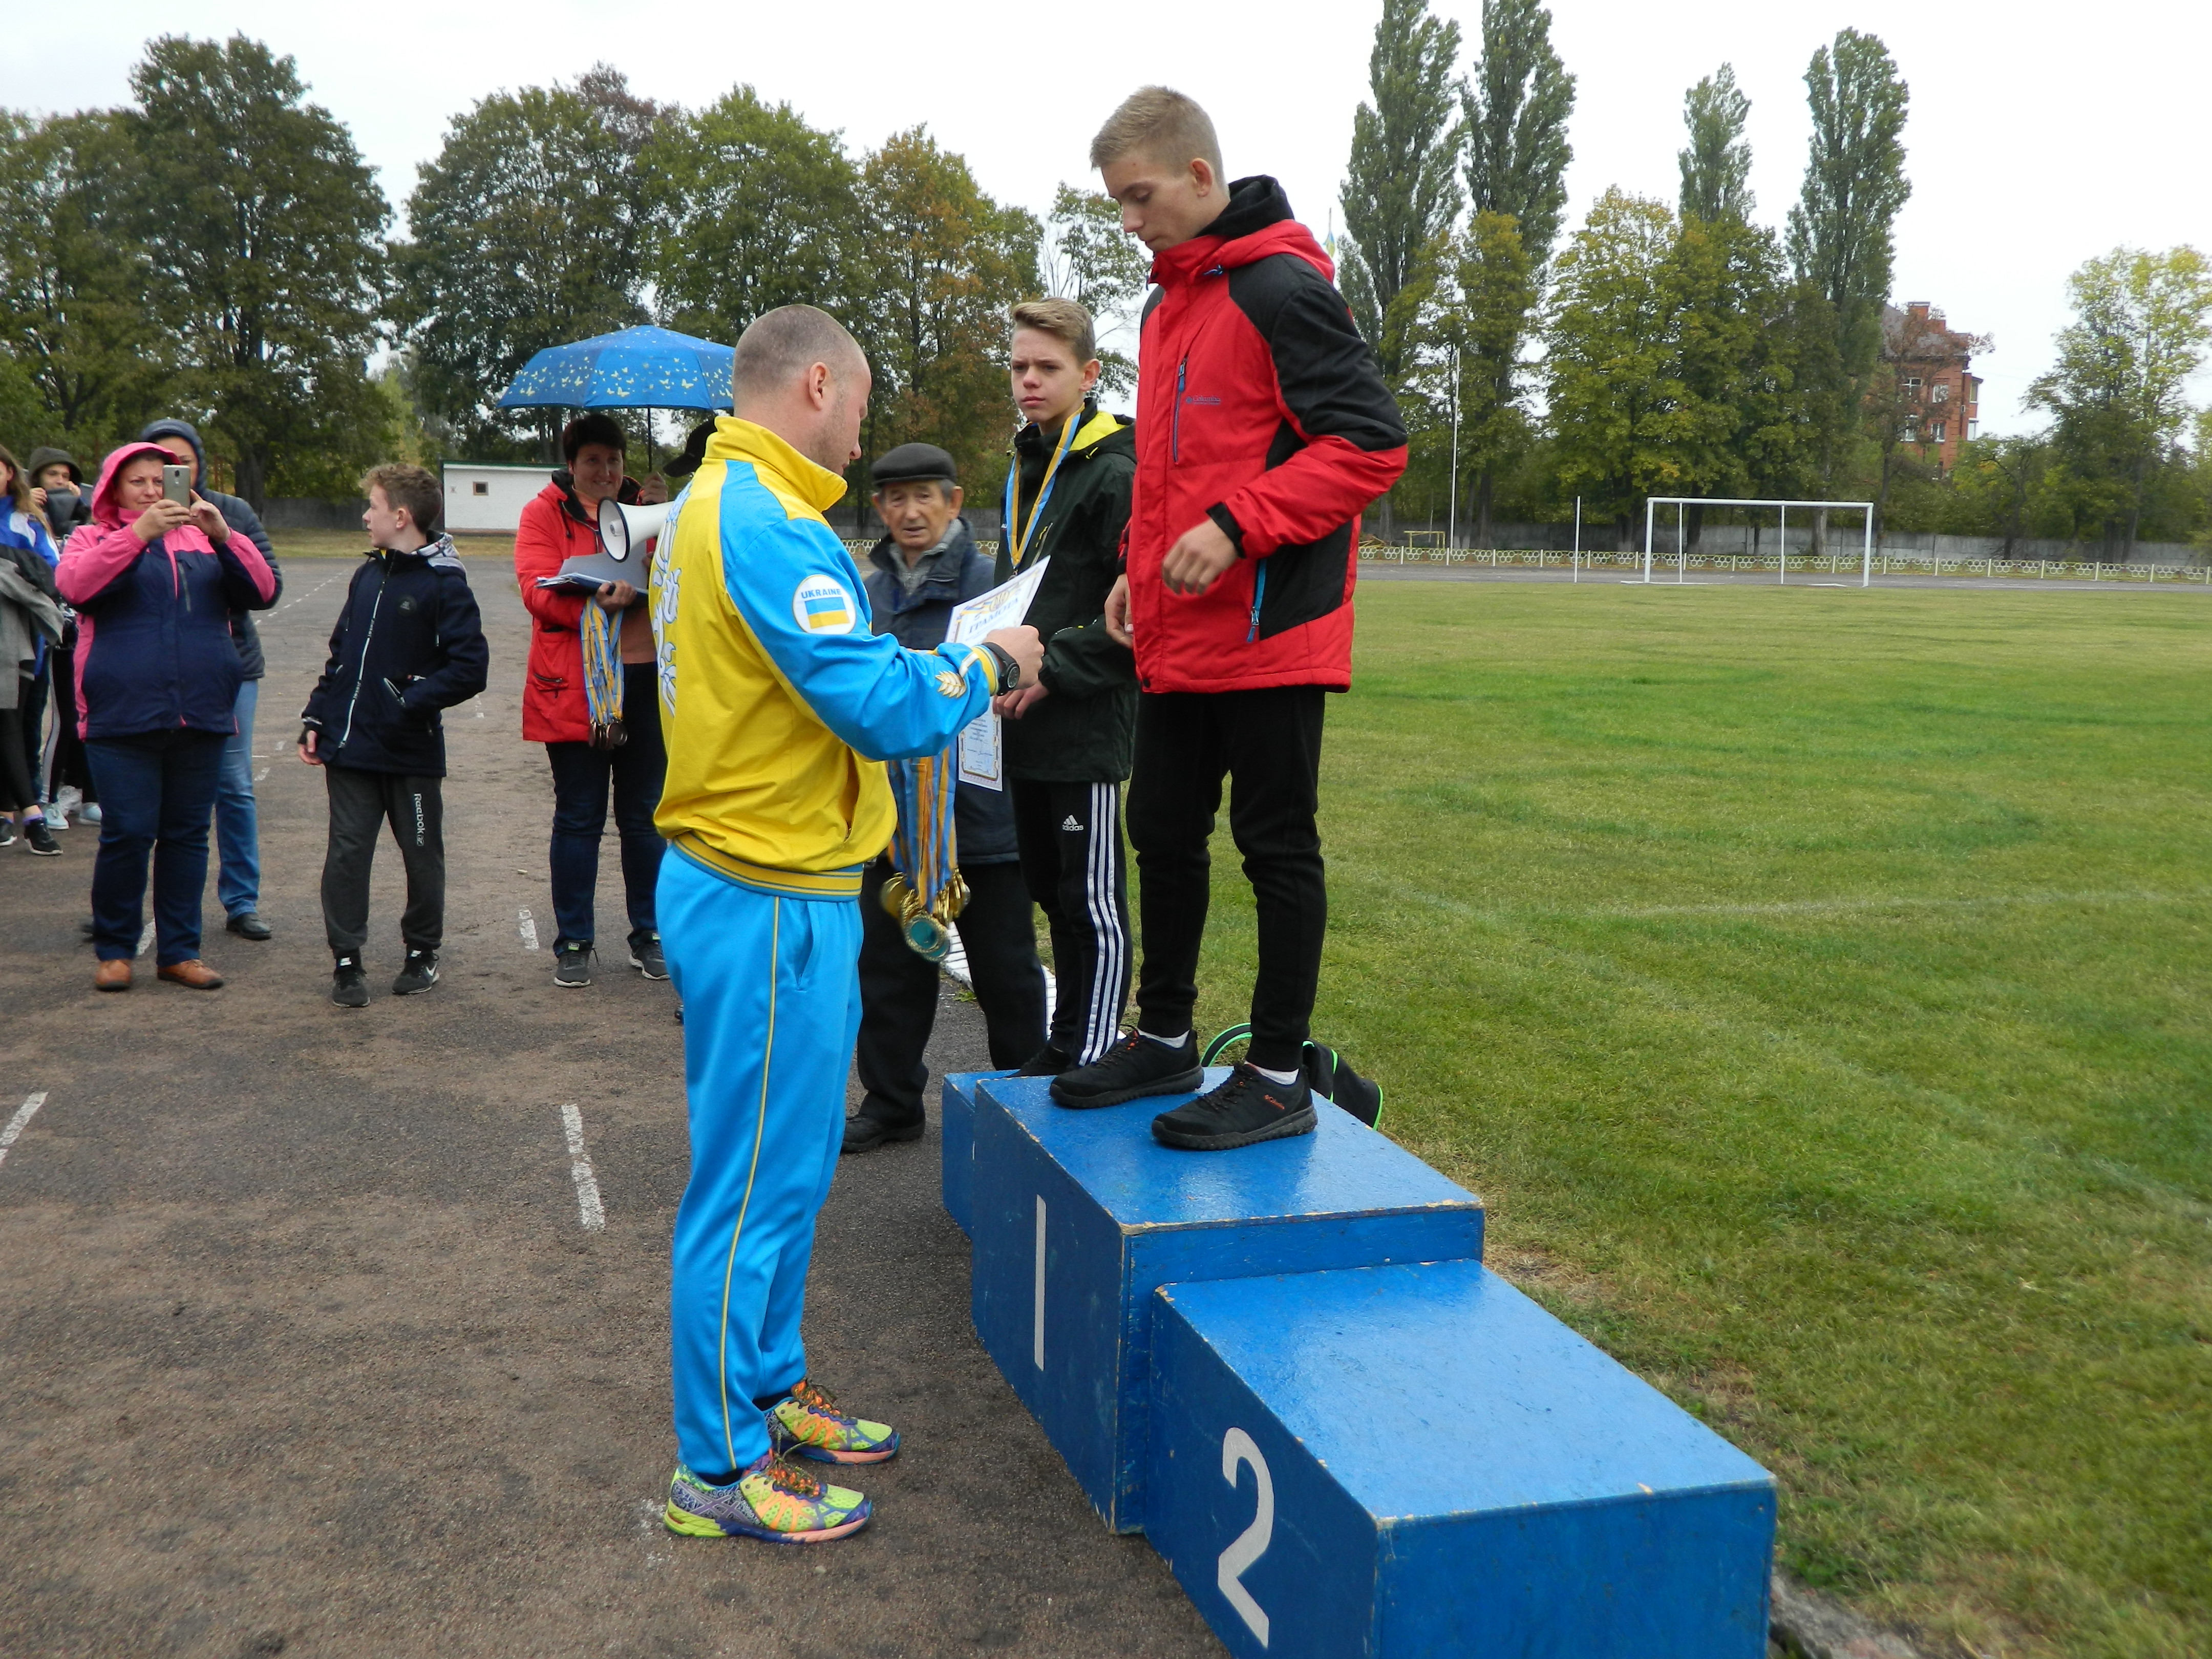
240	515
1081	733
1258	406
153	648
554	528
982	819
408	645
66	510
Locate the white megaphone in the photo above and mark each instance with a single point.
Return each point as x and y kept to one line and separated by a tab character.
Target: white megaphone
627	533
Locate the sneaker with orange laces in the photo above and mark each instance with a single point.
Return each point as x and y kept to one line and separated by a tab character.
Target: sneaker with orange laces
770	1500
808	1423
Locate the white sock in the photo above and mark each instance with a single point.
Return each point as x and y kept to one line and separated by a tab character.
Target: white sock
1285	1078
1164	1042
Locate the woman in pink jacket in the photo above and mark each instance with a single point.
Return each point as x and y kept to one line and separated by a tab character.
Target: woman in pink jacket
154	582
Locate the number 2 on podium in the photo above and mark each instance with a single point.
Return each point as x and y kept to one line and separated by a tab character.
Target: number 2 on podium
1237	1448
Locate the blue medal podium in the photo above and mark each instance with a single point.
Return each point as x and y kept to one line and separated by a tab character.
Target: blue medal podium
955	1136
1077	1217
1403	1461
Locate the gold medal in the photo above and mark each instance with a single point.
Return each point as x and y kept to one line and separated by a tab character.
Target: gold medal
894	896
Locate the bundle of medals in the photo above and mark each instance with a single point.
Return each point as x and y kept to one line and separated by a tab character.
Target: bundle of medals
926	893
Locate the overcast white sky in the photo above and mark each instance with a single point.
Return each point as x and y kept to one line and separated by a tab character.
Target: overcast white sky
2040	135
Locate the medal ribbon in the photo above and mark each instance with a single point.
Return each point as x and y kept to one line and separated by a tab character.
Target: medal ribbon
924	849
1015	531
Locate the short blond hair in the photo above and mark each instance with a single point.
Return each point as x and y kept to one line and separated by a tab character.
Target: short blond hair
1065	320
1163	125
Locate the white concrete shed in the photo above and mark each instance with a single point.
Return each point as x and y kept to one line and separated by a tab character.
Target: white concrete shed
485	497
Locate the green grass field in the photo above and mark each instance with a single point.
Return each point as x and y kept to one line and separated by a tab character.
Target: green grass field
1818	987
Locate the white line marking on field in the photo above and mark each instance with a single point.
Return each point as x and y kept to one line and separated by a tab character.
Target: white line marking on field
262	773
588	1206
303	597
528	929
18	1123
145	939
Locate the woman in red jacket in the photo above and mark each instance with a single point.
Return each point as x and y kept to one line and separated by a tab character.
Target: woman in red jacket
562	523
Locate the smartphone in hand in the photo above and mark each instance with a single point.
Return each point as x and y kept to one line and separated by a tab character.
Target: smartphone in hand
177	485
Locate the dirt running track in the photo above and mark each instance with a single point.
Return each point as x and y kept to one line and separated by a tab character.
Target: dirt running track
305	1349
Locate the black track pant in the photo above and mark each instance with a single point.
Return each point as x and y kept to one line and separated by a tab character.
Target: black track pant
898	988
362	804
1267	743
1070	836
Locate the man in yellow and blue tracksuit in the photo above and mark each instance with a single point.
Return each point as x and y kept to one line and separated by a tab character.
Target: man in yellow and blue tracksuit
779	707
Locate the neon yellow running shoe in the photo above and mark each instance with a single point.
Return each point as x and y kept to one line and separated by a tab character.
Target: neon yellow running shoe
770	1500
807	1423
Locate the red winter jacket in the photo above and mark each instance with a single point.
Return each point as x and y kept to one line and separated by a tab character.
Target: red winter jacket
1258	406
553	528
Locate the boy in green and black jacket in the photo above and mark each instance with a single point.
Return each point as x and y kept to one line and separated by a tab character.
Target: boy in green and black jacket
1067	738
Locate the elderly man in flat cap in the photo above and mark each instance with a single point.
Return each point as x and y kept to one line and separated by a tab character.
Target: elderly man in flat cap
925	566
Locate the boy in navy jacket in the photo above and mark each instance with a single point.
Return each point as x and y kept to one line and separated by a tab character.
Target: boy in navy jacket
408	645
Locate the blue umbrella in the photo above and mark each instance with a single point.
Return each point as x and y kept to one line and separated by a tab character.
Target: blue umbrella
631	368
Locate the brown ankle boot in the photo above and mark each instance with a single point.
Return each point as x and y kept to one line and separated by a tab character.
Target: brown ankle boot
196	974
112	974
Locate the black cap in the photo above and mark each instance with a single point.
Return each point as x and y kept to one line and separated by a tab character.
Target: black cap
910	461
695	451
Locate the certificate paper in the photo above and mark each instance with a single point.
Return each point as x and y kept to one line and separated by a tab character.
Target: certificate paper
981	760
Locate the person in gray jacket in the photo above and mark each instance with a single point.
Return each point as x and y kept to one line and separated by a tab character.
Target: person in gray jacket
237	826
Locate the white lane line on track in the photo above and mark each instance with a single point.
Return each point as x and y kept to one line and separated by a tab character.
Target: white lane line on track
145	939
588	1207
528	929
303	597
21	1121
262	773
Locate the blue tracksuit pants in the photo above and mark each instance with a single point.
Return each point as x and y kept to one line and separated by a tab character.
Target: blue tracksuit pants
771	995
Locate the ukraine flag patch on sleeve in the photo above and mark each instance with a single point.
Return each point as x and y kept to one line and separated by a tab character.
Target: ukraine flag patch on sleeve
821	606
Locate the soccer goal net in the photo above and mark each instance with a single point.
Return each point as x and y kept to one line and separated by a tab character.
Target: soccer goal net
1754	515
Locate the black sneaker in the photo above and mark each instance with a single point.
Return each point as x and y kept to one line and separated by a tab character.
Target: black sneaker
41	839
6	832
420	974
645	954
1132	1069
348	984
571	966
1248	1108
1047	1061
1328	1075
864	1132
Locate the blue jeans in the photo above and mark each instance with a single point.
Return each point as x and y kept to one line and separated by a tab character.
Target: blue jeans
156	792
583	777
237	829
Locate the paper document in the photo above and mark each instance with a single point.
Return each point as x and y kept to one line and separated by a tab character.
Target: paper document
981	761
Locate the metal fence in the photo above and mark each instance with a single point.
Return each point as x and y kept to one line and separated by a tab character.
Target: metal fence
1834	564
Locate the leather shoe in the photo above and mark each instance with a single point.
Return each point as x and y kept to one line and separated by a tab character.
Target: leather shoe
112	974
247	925
194	974
864	1133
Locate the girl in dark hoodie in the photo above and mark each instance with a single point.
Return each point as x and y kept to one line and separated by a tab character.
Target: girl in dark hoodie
154	582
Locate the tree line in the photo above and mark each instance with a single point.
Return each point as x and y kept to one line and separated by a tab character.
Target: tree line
1682	348
217	248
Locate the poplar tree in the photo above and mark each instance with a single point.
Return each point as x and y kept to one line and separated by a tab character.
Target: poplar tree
1716	164
1517	103
1839	241
1401	188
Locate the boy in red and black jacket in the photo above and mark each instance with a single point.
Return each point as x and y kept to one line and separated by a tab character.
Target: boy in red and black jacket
1263	428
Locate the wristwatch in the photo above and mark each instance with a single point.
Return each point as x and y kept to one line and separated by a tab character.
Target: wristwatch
1009	671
